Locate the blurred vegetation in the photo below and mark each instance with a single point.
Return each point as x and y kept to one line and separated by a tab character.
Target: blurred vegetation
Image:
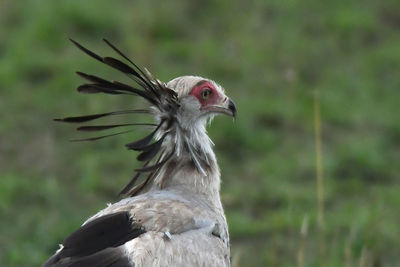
271	56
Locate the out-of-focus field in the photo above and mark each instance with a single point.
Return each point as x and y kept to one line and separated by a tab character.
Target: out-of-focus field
271	56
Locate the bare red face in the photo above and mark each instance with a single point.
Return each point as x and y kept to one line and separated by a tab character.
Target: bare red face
206	93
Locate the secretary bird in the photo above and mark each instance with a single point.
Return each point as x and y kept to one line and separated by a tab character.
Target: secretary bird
174	215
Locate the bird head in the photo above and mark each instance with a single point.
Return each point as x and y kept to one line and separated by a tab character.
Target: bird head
200	99
180	107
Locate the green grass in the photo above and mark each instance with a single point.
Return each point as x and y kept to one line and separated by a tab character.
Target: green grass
270	56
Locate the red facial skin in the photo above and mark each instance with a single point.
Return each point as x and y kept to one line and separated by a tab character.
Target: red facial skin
213	99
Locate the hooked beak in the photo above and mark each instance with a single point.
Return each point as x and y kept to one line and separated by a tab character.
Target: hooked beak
228	108
232	108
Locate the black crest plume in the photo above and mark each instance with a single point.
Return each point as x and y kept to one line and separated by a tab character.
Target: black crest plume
163	100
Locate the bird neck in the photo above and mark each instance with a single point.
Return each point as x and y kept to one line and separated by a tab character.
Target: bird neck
193	168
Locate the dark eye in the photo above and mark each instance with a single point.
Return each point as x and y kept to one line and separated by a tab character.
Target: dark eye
205	94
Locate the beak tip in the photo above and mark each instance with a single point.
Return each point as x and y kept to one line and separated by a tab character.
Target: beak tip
232	108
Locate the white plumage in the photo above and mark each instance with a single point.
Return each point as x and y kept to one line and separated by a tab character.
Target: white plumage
176	217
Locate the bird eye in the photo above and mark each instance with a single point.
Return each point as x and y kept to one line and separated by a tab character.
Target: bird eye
205	94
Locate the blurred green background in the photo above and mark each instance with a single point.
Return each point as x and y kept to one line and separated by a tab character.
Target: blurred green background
271	56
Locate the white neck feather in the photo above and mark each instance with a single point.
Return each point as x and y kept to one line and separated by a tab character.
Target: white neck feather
194	167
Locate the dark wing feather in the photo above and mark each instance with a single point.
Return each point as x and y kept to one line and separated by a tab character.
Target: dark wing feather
151	150
104	86
122	55
97	242
92	78
87	51
80	119
163	100
95	88
119	65
137	145
106	127
141	93
100	137
144	79
156	166
142	76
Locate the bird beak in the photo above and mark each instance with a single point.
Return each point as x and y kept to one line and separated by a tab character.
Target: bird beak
232	108
227	108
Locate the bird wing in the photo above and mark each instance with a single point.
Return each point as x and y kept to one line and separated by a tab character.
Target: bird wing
136	229
98	242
